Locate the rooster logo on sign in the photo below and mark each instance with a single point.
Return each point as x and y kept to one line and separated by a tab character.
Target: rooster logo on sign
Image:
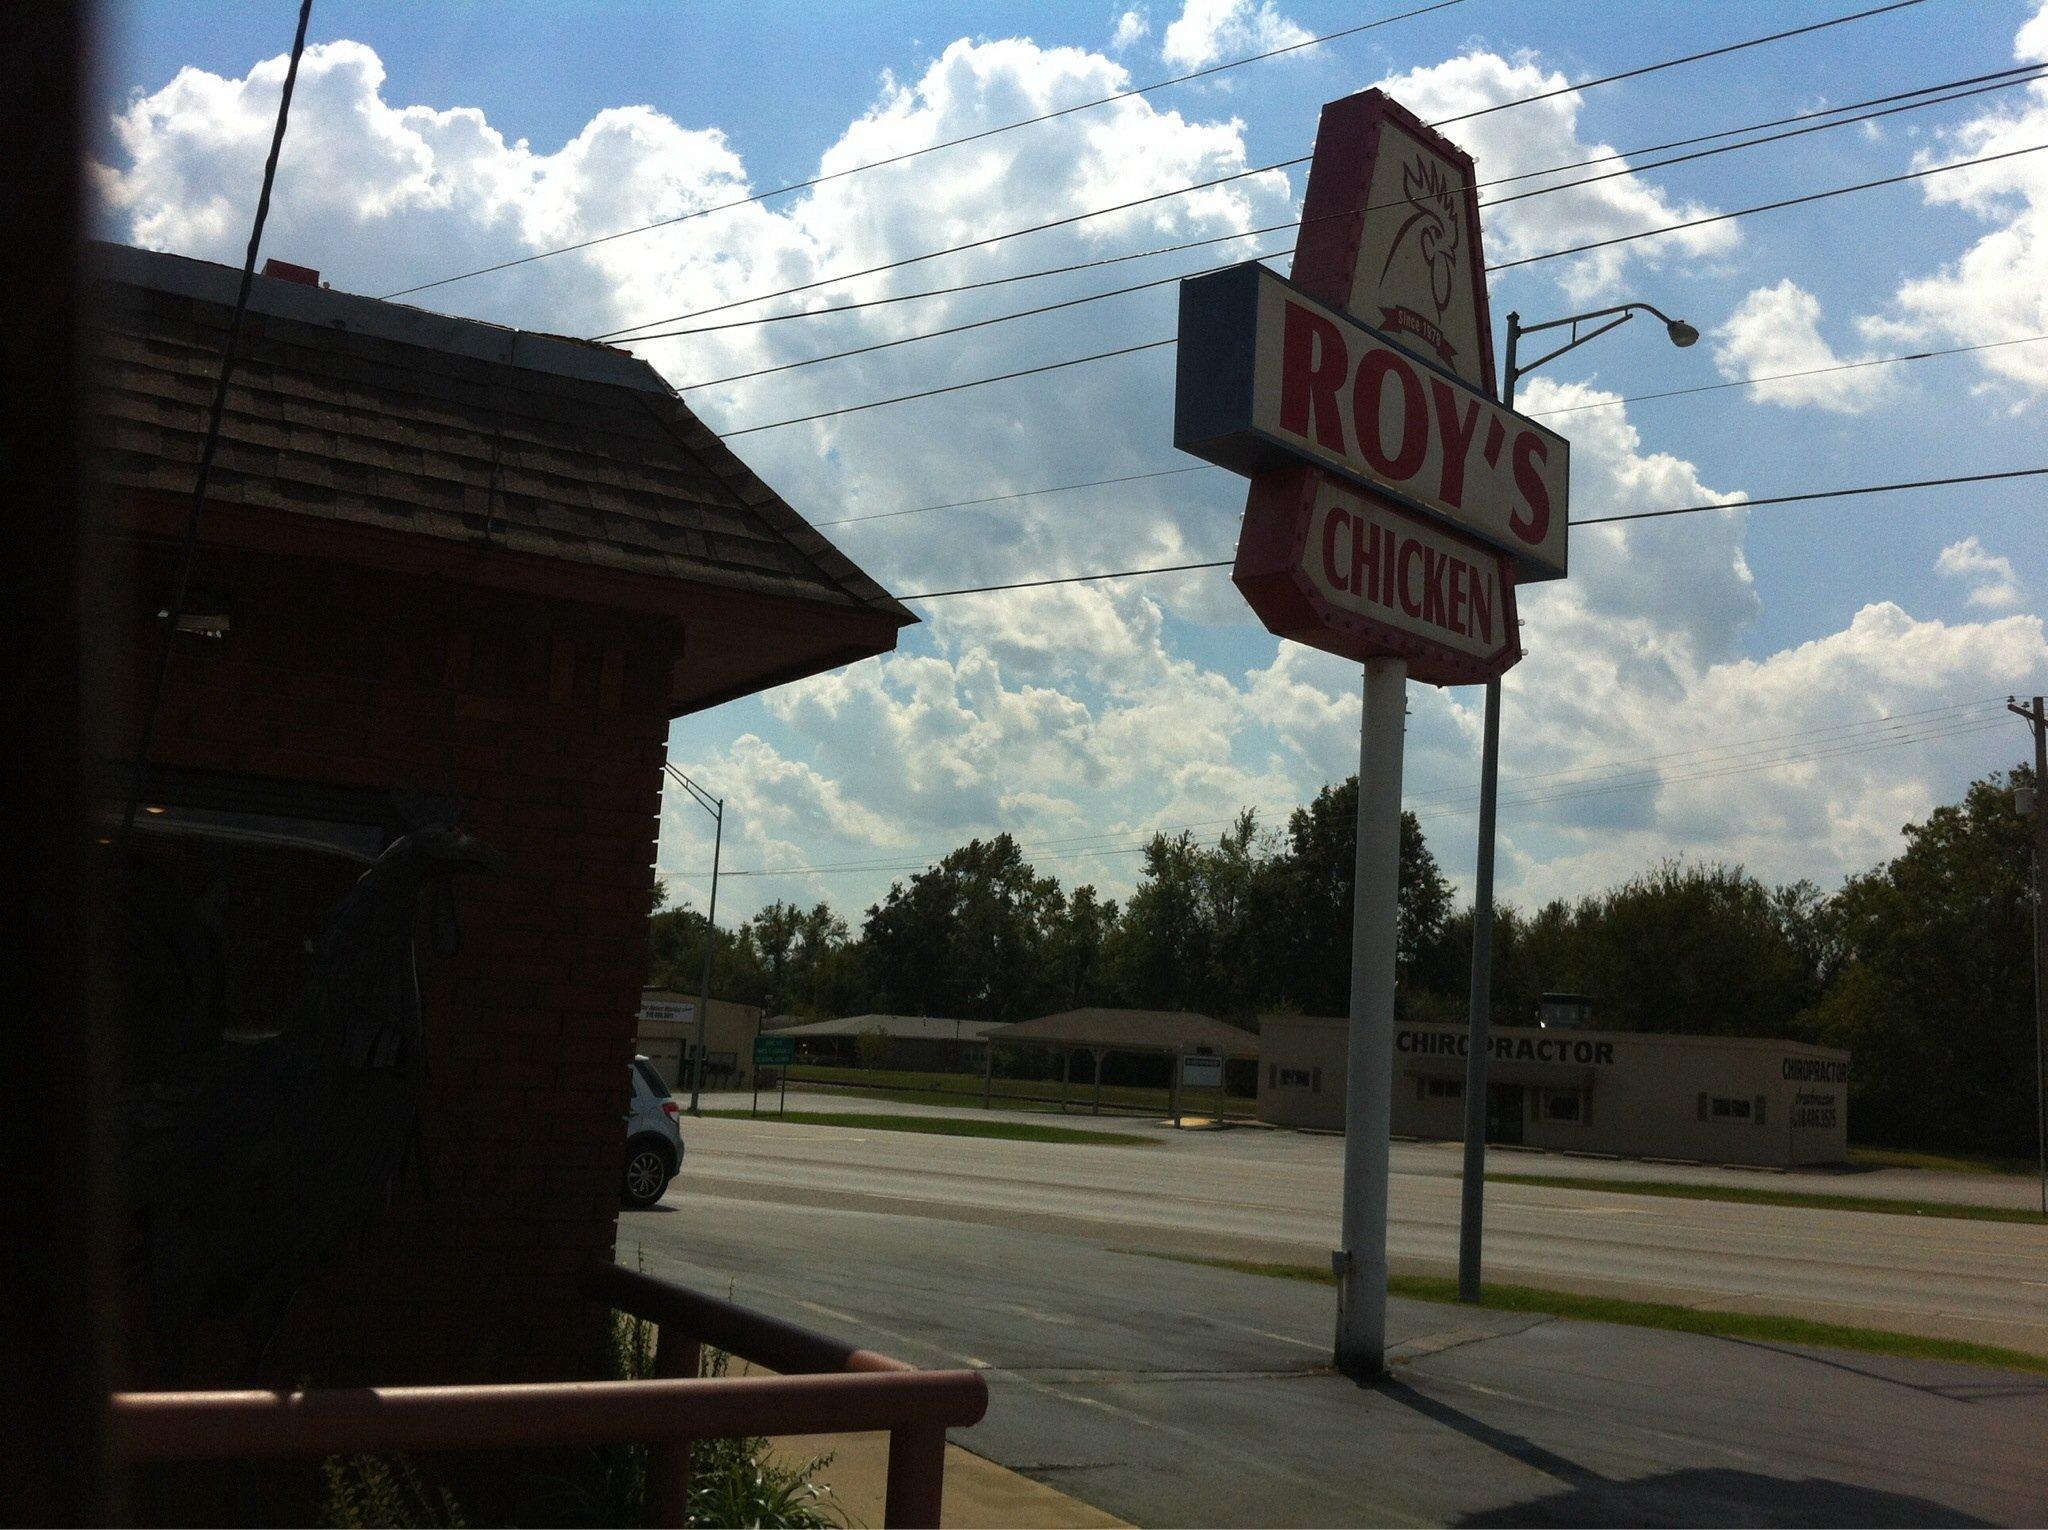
1434	224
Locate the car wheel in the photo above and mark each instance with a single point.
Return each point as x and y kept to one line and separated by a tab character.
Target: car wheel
647	1174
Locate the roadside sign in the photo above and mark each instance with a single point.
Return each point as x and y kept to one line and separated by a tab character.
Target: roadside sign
774	1051
1269	378
1197	1072
1340	570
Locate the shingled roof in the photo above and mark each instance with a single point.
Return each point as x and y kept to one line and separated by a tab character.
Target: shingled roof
1142	1030
358	410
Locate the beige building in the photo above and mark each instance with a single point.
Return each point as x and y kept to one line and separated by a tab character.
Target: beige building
1715	1099
668	1039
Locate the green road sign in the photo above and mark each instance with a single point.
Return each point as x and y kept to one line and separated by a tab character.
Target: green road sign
774	1051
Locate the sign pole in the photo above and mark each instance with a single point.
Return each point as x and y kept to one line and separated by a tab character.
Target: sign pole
1375	929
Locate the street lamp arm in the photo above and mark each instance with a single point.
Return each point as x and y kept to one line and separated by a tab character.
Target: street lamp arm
1681	333
1597	313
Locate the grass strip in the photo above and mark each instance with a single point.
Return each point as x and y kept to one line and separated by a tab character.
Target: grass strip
1758	1196
1944	1163
942	1126
1761	1327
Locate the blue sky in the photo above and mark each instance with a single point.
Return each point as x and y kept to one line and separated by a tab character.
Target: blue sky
429	139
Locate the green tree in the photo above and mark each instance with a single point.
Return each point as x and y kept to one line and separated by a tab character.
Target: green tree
1934	993
1320	872
969	937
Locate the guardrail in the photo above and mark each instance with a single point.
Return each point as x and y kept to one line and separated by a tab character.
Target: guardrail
824	1387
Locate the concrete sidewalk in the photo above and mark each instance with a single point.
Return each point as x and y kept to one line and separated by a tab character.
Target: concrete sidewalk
980	1495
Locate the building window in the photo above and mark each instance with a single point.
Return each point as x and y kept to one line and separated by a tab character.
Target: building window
1564	1105
1297	1078
1723	1108
1442	1089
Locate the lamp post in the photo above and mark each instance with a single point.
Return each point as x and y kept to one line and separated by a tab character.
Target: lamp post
715	806
1472	1203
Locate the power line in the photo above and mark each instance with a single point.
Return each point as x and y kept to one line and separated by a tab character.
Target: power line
1764	207
1591	520
1690	58
977	382
1537	414
210	443
1062	222
991	499
1871	740
2031	72
932	148
1598	244
2026	73
1750	382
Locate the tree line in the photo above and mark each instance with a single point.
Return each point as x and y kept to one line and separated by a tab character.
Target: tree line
1921	967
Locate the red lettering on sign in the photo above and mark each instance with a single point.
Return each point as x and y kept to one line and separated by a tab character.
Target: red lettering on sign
1367	391
1434	566
1365	560
1313	365
1339	572
1482	604
1454	432
1531	449
1461	574
1410	555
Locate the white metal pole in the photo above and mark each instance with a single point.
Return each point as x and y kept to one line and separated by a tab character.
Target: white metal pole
1368	1096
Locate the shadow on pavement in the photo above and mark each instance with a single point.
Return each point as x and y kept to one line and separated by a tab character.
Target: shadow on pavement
1692	1496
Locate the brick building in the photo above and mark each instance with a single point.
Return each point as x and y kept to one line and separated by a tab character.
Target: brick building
473	562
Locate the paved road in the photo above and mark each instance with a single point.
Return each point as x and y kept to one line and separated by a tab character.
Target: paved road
2017	1191
1171	1394
1270	1195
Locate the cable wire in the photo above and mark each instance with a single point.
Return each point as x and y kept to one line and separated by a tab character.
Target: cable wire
1062	222
932	148
2034	72
209	444
2026	73
1598	244
1534	414
1591	520
1871	742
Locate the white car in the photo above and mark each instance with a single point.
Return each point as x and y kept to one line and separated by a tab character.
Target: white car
654	1142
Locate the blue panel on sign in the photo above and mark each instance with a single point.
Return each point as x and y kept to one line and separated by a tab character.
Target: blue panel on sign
1212	390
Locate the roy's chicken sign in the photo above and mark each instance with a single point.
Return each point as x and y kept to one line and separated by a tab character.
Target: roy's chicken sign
1394	504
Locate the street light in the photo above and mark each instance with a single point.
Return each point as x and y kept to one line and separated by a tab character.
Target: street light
715	806
1472	1203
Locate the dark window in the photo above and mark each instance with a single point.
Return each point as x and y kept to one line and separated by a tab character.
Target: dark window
1443	1089
1563	1105
650	1076
1725	1109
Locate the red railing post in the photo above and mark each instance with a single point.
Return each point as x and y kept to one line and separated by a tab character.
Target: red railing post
677	1357
917	1476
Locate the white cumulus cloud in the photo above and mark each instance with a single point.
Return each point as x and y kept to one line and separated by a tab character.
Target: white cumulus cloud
1775	331
1209	31
1992	580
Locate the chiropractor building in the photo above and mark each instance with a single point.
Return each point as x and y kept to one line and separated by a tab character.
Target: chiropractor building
1717	1099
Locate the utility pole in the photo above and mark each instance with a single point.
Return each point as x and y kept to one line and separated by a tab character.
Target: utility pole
1472	1201
2037	719
715	806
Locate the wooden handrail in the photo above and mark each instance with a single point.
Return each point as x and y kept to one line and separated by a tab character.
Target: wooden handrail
826	1387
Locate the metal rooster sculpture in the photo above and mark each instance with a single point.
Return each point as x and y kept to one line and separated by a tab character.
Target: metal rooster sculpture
253	1164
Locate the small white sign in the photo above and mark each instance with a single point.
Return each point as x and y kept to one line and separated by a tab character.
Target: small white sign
1201	1073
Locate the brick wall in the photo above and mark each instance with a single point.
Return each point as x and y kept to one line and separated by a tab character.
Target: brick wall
548	721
